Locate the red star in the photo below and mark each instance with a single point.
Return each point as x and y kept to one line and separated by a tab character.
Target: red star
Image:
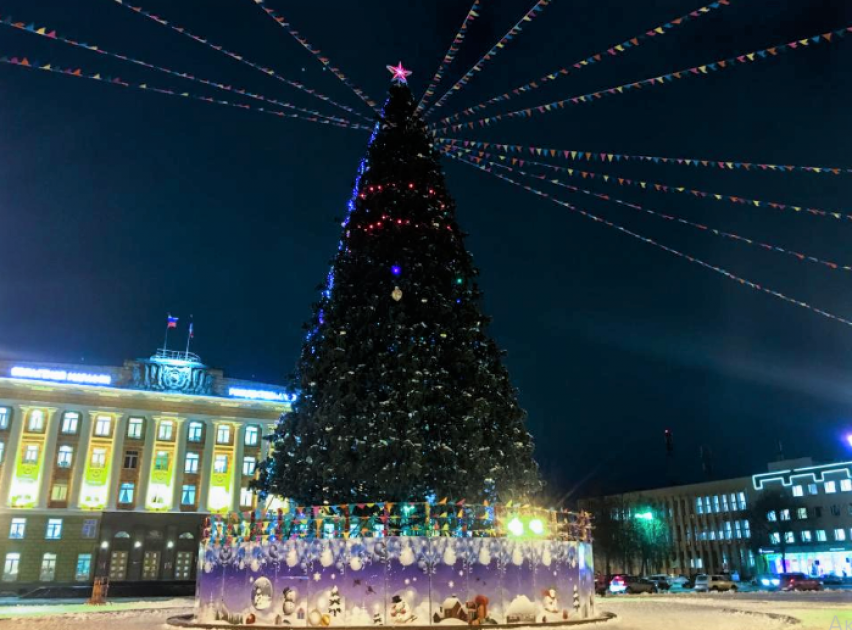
400	74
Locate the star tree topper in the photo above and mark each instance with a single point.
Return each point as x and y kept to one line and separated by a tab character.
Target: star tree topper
400	74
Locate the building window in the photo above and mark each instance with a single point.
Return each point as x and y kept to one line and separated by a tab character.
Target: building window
18	528
746	529
802	513
830	487
36	423
190	465
48	568
70	422
738	529
249	464
789	537
31	453
2	450
798	491
812	489
774	538
103	426
724	502
835	510
90	528
252	435
195	432
220	464
846	485
839	534
125	493
131	459
716	503
10	567
134	428
246	497
820	535
785	515
161	461
54	529
84	567
4	418
771	516
183	565
699	507
707	505
223	434
164	431
187	496
59	491
64	456
806	536
118	565
98	458
742	500
817	511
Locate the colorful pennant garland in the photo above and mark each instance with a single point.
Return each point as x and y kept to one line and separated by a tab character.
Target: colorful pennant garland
590	156
77	72
747	283
477	67
450	56
325	61
664	188
729	235
612	51
663	79
267	71
43	31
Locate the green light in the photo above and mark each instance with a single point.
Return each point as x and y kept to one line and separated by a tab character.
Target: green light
515	527
536	526
645	516
459	280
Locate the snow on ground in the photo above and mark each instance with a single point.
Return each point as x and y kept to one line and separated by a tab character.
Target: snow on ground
78	607
655	613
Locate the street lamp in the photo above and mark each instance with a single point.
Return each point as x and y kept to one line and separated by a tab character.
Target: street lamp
645	516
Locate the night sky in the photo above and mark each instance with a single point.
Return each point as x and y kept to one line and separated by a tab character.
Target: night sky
119	206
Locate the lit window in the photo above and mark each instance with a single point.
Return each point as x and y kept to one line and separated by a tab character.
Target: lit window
103	426
64	456
98	458
4	418
746	529
713	534
820	535
728	530
187	496
846	485
789	537
812	488
785	515
830	487
716	503
131	459
223	434
733	502
774	538
84	567
59	491
48	568
164	432
134	428
90	528
54	529
220	464
36	423
839	534
798	491
707	505
18	528
742	499
802	513
806	536
161	461
2	450
252	435
249	464
724	502
190	464
699	507
771	516
125	493
246	497
70	422
195	431
10	567
30	453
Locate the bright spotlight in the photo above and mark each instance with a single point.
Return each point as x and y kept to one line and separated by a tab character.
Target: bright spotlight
536	526
515	527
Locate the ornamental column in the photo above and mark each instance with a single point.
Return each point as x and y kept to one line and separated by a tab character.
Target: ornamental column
10	455
205	470
80	460
239	447
149	435
117	460
180	468
51	429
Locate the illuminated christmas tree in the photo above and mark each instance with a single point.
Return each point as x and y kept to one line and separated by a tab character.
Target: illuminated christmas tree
403	395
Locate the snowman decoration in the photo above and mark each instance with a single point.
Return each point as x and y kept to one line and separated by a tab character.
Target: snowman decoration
551	604
400	611
289	606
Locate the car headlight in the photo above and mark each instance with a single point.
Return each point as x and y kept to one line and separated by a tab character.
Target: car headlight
776	582
765	582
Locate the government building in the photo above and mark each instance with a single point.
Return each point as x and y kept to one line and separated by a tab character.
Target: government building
110	471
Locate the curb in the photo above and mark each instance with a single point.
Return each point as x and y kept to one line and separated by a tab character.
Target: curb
788	619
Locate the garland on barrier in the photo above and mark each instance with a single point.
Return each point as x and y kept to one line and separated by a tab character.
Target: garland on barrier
450	56
657	187
590	156
97	76
537	8
612	51
729	235
42	31
663	79
747	283
382	519
267	71
325	61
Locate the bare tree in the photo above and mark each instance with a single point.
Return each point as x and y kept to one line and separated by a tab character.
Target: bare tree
771	523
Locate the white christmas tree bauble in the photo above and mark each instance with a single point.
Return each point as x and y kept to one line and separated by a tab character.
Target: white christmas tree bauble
355	563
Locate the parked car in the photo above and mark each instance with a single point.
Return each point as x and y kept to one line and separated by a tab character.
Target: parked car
671	580
705	583
601	584
631	584
799	582
660	581
832	580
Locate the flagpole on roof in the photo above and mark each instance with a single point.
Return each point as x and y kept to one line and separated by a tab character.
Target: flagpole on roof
188	338
168	325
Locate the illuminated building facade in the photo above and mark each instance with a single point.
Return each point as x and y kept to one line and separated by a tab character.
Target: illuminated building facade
110	471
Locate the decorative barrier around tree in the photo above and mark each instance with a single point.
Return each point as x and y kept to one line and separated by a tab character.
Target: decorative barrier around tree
396	564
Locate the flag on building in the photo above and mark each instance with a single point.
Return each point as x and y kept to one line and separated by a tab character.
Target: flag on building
171	322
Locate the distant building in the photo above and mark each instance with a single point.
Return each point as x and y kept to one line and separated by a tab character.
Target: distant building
110	471
710	527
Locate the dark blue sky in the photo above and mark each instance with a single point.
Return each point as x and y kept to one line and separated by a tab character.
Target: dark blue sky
118	206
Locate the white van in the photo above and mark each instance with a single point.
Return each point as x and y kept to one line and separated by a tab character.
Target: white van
714	583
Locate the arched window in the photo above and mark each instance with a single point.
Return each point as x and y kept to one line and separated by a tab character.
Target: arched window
186	536
121	535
